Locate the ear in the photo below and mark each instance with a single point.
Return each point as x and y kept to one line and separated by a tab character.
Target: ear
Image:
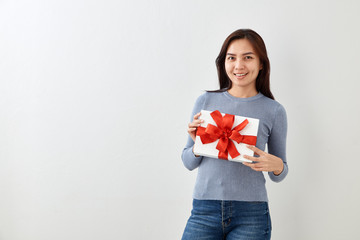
261	66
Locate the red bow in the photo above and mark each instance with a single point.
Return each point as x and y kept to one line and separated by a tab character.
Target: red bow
224	133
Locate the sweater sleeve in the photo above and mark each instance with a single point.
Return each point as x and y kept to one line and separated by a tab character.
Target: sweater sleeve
277	142
189	159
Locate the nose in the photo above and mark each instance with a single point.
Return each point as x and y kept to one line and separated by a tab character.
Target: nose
239	64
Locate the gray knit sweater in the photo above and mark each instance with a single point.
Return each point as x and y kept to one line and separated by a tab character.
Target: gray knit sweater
225	180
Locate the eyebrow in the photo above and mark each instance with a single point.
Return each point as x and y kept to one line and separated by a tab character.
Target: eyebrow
247	53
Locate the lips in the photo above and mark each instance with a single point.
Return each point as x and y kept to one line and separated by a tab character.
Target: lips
240	74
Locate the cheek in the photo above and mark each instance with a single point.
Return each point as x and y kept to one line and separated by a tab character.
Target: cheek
256	68
258	65
228	71
228	68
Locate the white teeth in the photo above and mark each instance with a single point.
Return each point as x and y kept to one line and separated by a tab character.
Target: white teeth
239	75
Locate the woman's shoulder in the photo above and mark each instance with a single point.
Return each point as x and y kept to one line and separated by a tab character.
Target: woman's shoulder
273	107
208	94
274	104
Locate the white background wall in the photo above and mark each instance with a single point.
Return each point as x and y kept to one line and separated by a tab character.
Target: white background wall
95	97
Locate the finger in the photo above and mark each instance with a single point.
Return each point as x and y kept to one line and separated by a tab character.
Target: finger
258	169
194	124
250	158
190	130
256	150
196	116
253	166
250	165
247	164
198	121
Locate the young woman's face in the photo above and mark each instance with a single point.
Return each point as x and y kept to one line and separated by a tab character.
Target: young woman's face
242	64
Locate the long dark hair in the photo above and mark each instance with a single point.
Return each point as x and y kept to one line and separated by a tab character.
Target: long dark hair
263	78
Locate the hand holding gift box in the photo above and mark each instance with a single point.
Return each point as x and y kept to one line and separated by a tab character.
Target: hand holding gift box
225	136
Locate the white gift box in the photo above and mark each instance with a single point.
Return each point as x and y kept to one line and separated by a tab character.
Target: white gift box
209	149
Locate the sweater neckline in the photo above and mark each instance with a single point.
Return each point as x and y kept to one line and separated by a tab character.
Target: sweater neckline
238	99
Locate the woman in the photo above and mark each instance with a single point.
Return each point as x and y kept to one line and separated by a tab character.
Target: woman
230	198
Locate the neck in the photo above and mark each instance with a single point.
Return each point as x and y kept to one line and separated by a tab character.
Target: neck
242	93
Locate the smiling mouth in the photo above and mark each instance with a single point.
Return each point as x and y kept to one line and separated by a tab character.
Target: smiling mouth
240	74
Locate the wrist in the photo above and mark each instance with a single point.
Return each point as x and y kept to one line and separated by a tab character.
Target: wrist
278	172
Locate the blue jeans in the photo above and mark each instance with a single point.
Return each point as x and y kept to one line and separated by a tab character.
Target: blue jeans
230	220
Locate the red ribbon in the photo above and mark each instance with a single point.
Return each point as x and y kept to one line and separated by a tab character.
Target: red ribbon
225	134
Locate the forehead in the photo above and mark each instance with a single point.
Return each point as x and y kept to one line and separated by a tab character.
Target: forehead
240	46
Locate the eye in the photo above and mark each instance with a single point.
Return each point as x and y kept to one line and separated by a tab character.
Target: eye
230	58
248	57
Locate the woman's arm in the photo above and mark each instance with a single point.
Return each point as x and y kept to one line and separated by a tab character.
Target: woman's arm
274	162
277	143
189	159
